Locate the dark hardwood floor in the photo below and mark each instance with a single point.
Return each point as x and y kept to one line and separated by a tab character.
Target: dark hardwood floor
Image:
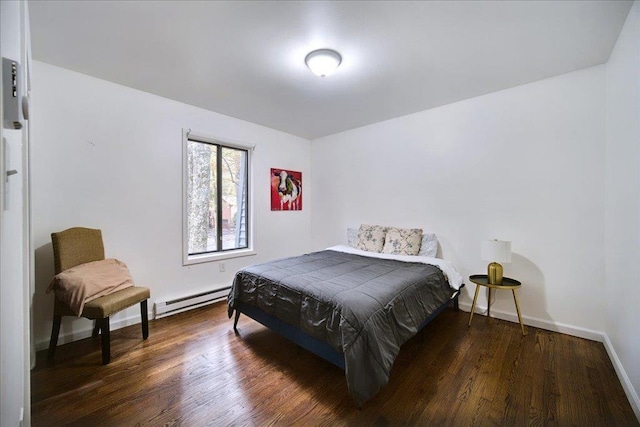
193	370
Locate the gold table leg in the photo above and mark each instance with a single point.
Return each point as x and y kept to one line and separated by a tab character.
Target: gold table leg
473	306
515	298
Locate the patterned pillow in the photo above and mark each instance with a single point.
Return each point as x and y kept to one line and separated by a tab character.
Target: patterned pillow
402	241
429	246
371	237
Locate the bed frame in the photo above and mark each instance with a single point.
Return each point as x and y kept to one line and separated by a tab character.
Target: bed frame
310	343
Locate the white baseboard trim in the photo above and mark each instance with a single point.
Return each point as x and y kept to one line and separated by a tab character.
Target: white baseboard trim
631	393
86	332
563	328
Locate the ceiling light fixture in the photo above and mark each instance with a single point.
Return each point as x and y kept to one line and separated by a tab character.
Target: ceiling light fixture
323	62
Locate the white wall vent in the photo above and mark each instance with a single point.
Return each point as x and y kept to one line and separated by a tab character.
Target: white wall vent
167	308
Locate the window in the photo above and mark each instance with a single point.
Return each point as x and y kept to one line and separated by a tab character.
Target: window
216	199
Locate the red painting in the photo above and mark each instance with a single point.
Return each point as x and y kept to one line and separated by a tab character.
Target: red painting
286	190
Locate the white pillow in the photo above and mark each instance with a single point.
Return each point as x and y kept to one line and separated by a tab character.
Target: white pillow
371	237
402	241
429	245
352	237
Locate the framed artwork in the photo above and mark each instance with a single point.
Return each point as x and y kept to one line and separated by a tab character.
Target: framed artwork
286	190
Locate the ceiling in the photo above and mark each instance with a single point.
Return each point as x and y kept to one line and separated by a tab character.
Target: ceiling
246	59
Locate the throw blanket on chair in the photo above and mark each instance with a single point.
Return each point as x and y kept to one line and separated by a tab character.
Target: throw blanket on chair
78	285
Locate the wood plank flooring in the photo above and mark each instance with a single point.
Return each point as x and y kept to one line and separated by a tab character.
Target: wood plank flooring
195	371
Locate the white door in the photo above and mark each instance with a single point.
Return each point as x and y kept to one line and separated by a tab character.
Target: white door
14	242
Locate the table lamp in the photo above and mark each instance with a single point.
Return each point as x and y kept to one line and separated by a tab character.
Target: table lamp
496	251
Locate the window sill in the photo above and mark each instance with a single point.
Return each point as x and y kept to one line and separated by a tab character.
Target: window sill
198	259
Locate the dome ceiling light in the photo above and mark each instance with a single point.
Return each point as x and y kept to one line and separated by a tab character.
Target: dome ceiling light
323	62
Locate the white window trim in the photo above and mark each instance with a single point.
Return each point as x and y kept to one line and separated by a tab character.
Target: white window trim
215	256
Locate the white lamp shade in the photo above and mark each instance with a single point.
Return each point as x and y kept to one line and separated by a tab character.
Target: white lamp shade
496	250
323	61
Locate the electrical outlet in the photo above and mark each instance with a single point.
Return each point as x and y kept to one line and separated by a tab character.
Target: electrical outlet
222	267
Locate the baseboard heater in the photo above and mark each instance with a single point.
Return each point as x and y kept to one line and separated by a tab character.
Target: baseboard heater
175	306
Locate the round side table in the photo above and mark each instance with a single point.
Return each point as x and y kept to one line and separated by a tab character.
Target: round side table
507	283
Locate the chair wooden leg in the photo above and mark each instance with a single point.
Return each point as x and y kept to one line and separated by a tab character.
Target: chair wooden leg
106	341
96	328
55	331
145	319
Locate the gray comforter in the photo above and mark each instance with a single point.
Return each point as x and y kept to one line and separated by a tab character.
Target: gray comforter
363	307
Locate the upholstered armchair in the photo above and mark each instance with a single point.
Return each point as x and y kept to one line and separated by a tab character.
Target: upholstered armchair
76	246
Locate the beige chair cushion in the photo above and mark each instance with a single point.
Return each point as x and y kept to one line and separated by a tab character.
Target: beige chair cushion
105	306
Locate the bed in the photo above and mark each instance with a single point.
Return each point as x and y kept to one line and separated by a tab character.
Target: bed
351	307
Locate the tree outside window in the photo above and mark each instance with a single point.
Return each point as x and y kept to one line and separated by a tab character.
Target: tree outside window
217	197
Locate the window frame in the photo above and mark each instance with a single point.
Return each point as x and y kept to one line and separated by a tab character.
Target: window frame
187	259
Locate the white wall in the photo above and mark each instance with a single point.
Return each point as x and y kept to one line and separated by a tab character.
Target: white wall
523	164
622	206
14	289
110	157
